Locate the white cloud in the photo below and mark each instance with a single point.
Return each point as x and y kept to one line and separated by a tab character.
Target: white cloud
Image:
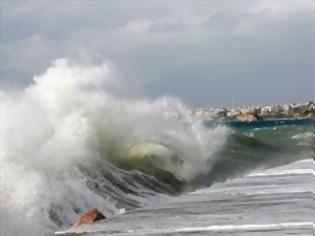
278	7
139	27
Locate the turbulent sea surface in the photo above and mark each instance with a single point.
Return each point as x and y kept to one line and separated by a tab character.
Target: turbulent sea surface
266	196
69	144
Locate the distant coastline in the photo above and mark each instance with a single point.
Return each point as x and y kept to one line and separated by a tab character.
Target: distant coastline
290	111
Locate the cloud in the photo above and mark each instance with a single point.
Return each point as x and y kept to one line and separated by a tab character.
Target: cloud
204	52
138	27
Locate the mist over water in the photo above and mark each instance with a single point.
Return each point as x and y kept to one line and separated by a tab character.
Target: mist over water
69	143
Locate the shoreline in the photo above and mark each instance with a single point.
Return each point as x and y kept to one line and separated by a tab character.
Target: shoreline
288	111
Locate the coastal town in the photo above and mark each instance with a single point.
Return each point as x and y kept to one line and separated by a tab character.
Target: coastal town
304	110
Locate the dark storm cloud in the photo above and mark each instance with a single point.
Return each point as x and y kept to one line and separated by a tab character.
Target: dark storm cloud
245	52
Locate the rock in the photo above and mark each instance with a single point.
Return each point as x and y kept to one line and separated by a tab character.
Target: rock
89	217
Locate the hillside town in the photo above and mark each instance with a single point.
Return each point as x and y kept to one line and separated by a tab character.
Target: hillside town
304	110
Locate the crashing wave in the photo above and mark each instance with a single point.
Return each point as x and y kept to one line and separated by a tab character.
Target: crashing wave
68	144
66	137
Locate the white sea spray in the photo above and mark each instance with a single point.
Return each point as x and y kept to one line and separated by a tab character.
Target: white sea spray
69	116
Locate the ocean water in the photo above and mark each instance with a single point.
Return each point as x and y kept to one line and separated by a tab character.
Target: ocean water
70	143
277	201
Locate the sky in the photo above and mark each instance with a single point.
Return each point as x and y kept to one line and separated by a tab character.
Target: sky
207	53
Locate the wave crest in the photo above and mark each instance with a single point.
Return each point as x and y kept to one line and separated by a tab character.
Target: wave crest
61	136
